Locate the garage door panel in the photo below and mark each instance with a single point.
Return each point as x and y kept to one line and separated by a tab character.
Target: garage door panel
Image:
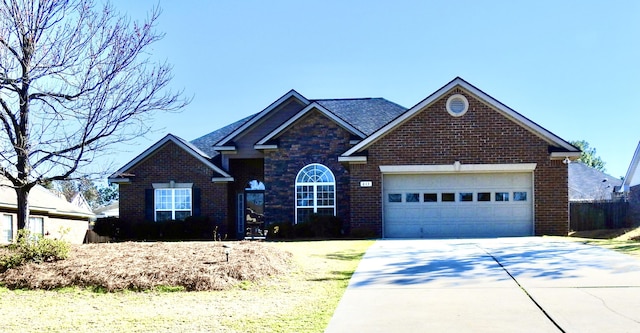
499	213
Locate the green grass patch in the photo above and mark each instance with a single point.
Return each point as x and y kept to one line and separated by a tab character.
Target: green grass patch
631	248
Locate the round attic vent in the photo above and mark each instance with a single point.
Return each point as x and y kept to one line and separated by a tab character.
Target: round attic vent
457	105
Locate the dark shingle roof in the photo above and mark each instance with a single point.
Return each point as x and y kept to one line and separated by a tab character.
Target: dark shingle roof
365	114
207	141
587	183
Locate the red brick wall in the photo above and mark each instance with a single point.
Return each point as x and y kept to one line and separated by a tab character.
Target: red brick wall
168	163
481	136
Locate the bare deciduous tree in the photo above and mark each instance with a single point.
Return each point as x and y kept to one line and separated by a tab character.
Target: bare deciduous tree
75	78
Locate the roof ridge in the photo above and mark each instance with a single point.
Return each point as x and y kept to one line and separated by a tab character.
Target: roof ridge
345	99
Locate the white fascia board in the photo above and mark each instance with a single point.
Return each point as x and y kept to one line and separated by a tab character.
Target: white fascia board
505	110
303	112
353	159
224	149
265	147
571	155
221	179
285	97
457	168
632	177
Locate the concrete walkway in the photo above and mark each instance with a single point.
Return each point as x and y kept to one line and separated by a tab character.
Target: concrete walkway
490	285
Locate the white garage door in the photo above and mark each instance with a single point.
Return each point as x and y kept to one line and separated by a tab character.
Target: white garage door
458	205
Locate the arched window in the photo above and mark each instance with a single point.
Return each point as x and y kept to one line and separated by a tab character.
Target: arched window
315	192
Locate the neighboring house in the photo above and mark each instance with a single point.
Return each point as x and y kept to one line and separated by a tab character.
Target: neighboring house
589	184
457	164
50	215
79	201
631	188
110	210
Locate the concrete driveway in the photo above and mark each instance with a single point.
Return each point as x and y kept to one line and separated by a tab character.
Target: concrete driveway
527	284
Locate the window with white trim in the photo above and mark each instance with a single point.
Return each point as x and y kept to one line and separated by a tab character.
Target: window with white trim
36	225
315	192
172	203
6	229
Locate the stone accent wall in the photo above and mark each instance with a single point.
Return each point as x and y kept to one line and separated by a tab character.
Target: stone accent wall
171	163
312	139
481	136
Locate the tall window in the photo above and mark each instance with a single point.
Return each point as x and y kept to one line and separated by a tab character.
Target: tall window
36	225
172	203
315	192
6	229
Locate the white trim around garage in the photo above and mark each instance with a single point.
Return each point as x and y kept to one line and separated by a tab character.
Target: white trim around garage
457	167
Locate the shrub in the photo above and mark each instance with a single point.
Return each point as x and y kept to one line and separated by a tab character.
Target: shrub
34	247
112	227
362	233
325	226
192	228
317	226
282	230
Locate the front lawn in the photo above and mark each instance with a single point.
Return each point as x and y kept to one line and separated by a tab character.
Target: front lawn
300	299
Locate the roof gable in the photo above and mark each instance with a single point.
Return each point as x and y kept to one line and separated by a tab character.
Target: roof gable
632	177
261	115
120	175
482	96
313	106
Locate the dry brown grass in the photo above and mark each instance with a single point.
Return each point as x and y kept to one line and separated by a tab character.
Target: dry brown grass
194	266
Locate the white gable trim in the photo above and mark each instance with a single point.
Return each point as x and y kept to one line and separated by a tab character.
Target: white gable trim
632	177
303	112
262	114
192	150
458	82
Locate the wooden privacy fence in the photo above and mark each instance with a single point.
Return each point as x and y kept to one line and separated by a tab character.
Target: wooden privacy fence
594	215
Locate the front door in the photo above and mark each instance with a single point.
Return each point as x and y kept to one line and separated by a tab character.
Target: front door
254	214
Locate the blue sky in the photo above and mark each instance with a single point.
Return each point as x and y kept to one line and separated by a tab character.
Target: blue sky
570	66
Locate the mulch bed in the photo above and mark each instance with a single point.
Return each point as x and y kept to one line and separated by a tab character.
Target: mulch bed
195	266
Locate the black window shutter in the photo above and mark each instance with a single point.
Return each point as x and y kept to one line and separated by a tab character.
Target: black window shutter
148	205
196	202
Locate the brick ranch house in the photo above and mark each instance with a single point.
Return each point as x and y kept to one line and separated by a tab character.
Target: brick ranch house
457	164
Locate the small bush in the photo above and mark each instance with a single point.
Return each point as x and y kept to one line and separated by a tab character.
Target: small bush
282	230
325	226
112	227
362	233
317	226
34	247
192	228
